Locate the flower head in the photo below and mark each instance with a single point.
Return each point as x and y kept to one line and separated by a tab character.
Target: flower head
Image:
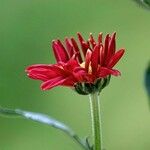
83	65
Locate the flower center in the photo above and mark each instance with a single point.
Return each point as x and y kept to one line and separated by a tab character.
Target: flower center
89	68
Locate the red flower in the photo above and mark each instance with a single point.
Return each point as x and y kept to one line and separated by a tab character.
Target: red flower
94	60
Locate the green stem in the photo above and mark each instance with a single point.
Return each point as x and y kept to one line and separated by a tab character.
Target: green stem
96	121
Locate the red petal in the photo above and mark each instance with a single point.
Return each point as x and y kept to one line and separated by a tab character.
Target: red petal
58	70
95	59
92	41
45	66
69	47
80	74
87	59
44	72
59	51
80	37
71	65
100	38
112	46
76	50
69	82
52	83
37	77
106	47
102	59
115	58
84	45
103	72
88	44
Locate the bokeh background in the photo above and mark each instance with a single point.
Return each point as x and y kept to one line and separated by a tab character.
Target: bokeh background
27	28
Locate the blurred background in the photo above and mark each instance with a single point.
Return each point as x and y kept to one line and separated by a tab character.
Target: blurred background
26	31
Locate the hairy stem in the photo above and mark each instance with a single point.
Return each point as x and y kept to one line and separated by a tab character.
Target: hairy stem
96	121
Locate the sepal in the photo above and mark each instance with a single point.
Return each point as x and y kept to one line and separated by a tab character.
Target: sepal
88	88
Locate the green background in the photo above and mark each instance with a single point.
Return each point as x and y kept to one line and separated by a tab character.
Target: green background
27	28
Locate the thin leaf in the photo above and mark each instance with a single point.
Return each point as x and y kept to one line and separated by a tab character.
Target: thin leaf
88	143
44	119
8	112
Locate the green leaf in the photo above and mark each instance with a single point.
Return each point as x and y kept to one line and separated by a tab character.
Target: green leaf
44	119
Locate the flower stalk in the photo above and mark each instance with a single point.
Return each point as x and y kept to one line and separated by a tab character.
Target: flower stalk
96	120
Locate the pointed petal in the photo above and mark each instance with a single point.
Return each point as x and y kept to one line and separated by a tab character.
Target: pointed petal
52	83
115	58
100	38
58	70
103	72
69	47
106	47
112	46
101	59
83	44
95	59
92	41
87	59
59	51
76	48
80	37
71	65
44	66
88	45
44	72
55	51
37	77
70	80
80	74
